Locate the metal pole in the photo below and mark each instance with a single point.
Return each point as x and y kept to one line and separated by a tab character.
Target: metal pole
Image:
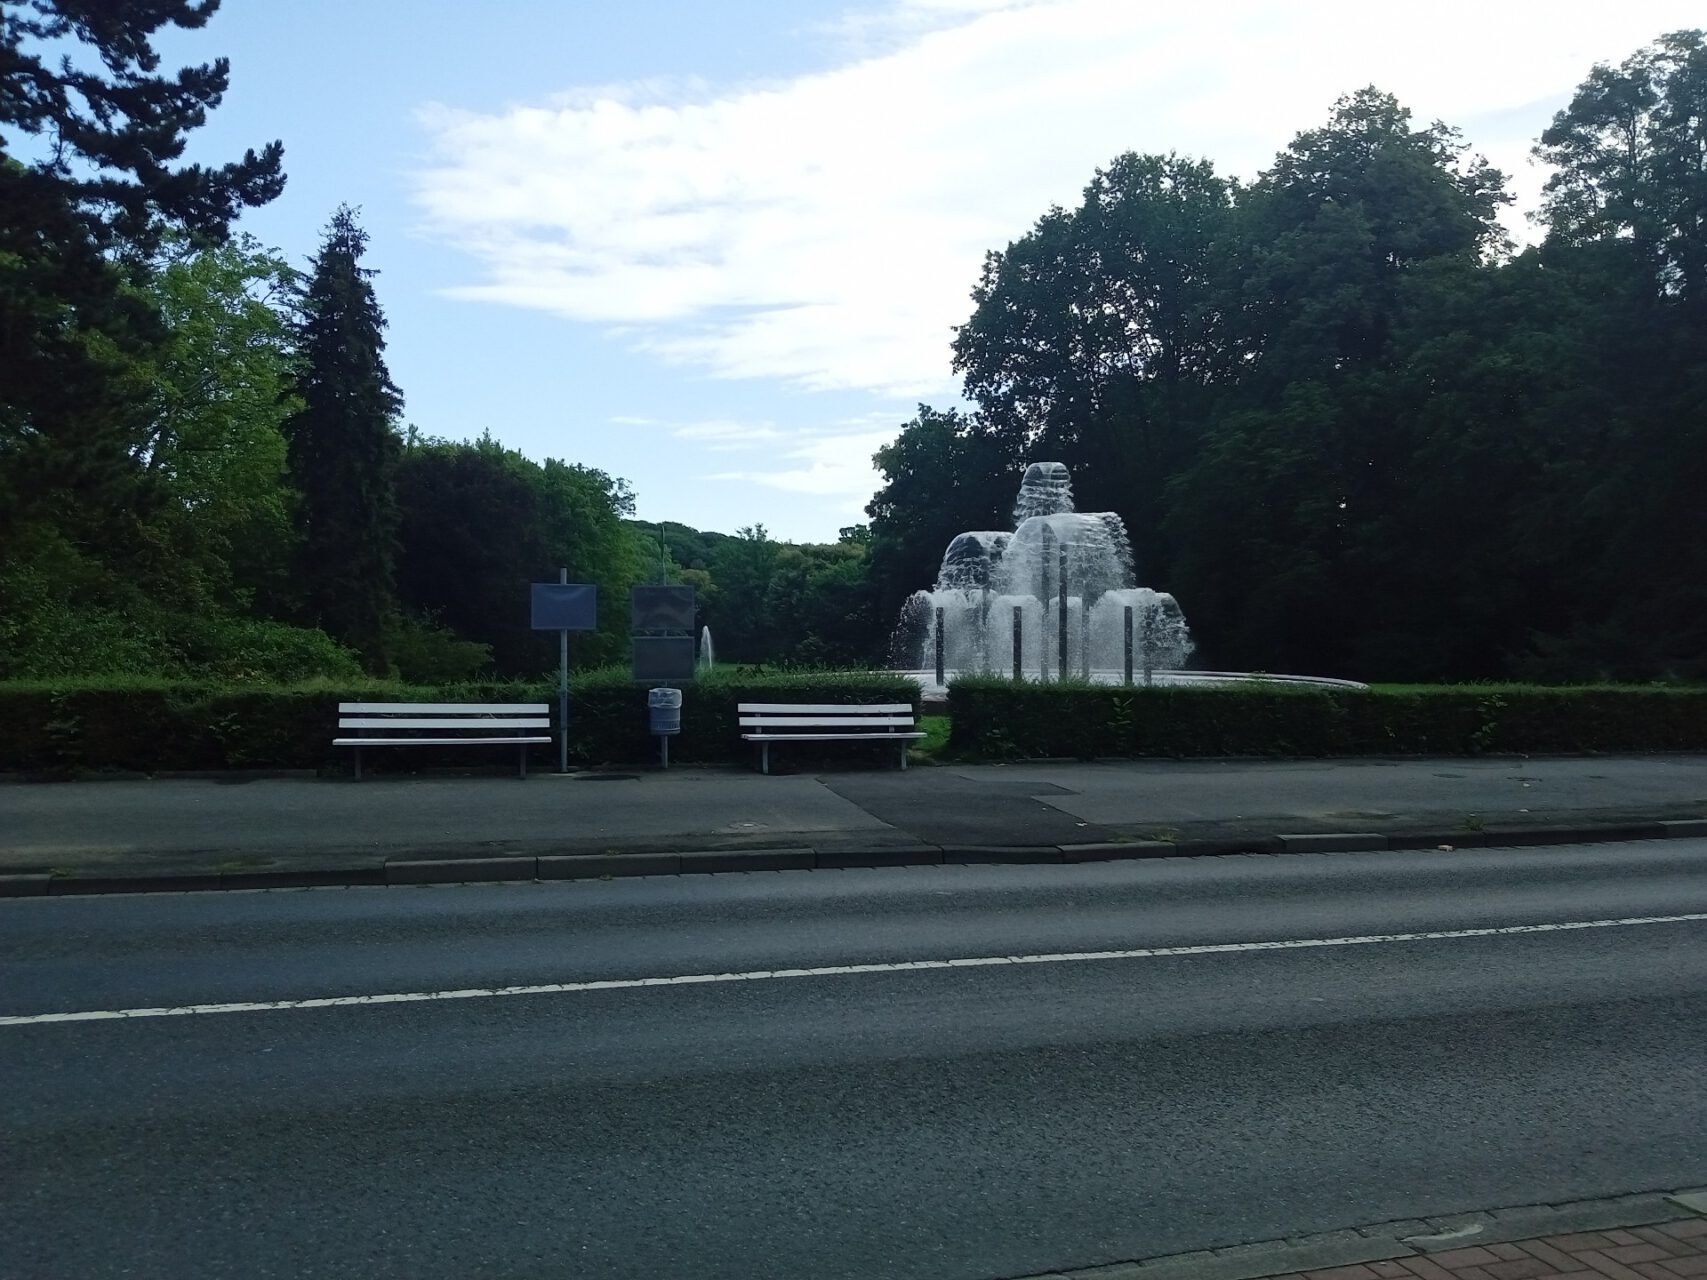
1061	659
1084	637
1149	644
563	688
1128	637
941	674
1043	594
984	630
1019	638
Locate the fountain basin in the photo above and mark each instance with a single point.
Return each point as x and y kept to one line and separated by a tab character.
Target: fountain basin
936	692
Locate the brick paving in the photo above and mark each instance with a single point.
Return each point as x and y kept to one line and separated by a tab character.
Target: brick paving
1665	1251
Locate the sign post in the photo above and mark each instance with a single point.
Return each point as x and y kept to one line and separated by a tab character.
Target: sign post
661	619
564	606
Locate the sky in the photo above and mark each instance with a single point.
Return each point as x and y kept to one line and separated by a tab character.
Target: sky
719	249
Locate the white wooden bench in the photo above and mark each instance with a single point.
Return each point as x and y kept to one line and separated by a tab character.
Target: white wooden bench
445	724
770	722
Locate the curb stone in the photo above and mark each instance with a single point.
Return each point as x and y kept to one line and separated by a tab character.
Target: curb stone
986	853
461	870
1397	1240
1351	842
749	860
848	859
595	866
1433	838
512	868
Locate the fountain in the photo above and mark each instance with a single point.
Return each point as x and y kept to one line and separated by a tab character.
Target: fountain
707	658
1055	599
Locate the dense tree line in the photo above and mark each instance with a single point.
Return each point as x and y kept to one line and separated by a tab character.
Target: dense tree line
795	604
203	468
1349	427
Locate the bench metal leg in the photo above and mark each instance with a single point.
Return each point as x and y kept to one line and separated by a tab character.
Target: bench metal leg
764	757
358	764
522	761
903	757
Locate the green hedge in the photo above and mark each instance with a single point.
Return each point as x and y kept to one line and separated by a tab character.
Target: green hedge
152	725
995	718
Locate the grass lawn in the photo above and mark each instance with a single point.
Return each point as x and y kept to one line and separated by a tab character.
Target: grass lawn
929	749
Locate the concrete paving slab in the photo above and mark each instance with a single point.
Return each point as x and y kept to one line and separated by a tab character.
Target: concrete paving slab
295	827
112	824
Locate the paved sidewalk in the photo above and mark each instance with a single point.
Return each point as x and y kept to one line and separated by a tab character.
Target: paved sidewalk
248	830
1663	1237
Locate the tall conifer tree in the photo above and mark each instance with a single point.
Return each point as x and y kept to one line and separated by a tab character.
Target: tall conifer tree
344	448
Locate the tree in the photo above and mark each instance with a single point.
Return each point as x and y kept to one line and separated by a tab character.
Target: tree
743	623
1347	213
1285	518
945	473
479	522
214	444
344	447
1097	338
1626	214
1631	158
83	218
1073	318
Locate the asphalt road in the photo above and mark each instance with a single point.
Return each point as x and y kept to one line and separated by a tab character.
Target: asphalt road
943	1121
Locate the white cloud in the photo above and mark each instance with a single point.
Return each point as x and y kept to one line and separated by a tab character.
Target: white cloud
826	230
724	435
835	466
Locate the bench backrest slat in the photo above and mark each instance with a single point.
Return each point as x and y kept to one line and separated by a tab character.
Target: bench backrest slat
444	708
824	708
825	722
880	717
444	722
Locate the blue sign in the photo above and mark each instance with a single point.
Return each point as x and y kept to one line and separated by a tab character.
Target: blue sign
565	606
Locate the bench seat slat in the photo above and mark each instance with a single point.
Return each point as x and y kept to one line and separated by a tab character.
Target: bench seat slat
444	708
818	722
818	708
831	737
434	742
434	722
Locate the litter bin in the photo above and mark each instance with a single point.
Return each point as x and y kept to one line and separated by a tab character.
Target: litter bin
665	708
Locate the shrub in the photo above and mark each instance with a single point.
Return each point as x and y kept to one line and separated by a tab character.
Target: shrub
996	717
147	724
608	717
424	652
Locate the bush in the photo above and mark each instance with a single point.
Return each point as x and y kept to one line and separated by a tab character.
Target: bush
424	652
150	725
258	651
996	717
608	718
50	635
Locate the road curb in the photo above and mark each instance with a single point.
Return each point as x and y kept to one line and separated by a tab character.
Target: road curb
419	871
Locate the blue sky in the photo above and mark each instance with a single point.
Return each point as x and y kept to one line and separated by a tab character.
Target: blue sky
718	248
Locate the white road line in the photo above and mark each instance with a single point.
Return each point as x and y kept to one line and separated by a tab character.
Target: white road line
840	970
